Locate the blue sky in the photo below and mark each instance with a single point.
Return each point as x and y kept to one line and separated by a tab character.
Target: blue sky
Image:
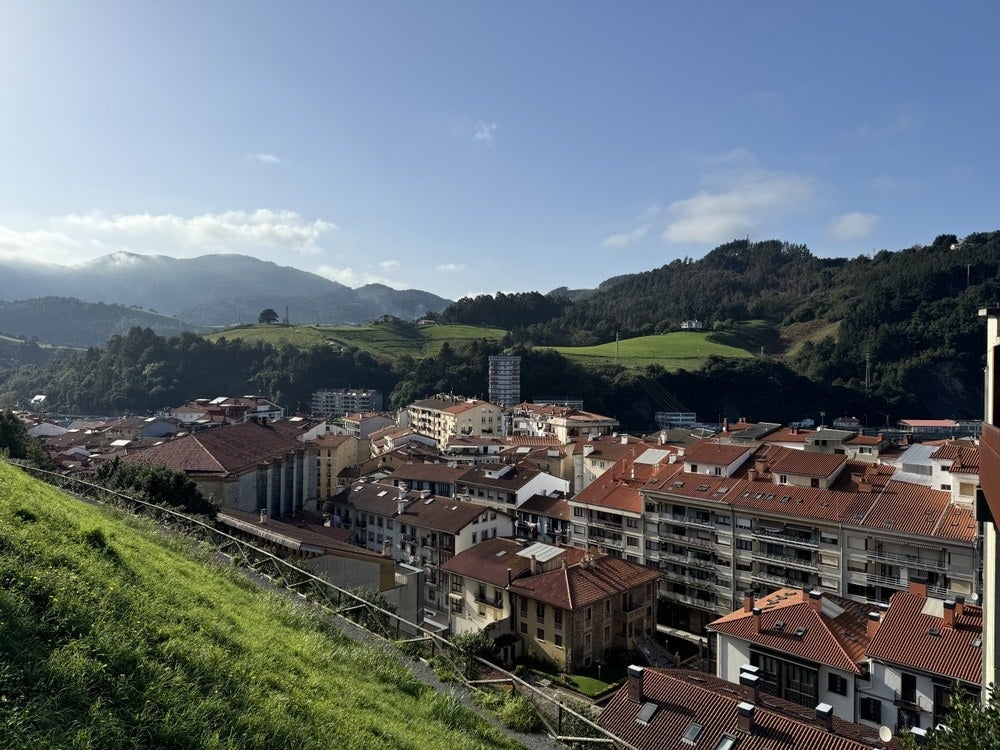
469	147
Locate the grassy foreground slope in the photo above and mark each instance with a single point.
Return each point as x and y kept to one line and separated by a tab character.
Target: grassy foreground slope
115	636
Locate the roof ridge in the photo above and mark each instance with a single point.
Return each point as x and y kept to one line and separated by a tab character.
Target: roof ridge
194	436
569	589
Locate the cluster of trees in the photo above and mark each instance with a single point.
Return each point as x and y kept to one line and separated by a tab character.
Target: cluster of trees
140	372
16	443
156	484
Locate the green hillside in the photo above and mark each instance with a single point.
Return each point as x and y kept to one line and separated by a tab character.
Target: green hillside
116	636
384	340
672	351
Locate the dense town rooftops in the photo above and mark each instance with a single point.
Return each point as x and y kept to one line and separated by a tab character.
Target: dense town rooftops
803	464
818	627
915	633
228	450
577	586
619	487
499	476
428	511
428	472
668	709
491	560
714	453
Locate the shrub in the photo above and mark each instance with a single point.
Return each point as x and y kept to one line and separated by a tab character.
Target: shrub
518	714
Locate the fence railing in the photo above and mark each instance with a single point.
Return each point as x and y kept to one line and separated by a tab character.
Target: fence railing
555	715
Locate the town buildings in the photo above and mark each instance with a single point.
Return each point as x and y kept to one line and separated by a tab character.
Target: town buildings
444	416
505	379
339	402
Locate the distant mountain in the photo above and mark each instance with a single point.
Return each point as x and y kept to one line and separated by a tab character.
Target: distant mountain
213	289
65	321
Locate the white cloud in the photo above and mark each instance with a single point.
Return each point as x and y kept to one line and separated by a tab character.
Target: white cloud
485	132
852	226
264	157
904	120
389	265
76	238
624	239
451	267
349	277
738	201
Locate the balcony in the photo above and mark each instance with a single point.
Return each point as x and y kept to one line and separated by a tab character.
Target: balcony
910	561
691	521
605	541
689	560
896	583
690	540
779	580
912	701
795	562
606	523
693	601
811	542
489	601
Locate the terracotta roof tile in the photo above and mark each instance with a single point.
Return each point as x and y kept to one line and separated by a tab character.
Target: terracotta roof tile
714	453
683	698
904	637
838	641
490	560
808	464
580	586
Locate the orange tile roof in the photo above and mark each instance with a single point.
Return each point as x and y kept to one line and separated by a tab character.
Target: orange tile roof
714	453
581	585
838	642
683	698
490	560
911	508
904	637
808	464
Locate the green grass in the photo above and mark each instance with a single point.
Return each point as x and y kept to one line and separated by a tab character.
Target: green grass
115	635
680	349
376	339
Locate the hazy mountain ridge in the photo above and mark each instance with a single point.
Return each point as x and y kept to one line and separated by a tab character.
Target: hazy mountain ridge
212	289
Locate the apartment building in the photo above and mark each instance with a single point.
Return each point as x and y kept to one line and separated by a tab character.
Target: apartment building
420	529
805	647
443	416
922	647
504	379
565	423
338	402
507	487
337	456
578	614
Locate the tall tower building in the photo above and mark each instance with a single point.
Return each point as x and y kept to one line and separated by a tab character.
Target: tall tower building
988	503
505	379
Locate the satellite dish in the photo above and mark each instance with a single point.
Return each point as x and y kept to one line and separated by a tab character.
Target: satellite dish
884	734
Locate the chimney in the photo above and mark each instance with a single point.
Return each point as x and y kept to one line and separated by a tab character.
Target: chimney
745	712
725	424
949	614
760	465
747	601
874	619
824	713
918	587
756	618
959	605
751	681
752	474
635	674
263	515
510	576
535	567
816	598
624	439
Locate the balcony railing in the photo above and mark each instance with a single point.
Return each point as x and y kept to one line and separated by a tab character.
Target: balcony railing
896	583
689	561
494	601
605	541
693	601
780	580
690	521
787	560
778	536
910	561
691	540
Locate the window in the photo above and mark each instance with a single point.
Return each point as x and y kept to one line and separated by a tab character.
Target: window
558	615
540	611
524	628
744	544
540	635
388	524
524	607
814	482
837	684
909	688
694	468
632	523
456	584
578	512
870	709
473	537
559	640
632	541
590	614
782	479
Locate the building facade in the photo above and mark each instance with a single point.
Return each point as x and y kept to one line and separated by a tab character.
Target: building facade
339	402
505	379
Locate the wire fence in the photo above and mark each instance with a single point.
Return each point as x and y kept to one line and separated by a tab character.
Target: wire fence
563	723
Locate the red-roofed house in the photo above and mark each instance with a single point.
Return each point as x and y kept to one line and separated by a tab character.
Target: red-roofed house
808	648
443	416
668	709
576	615
921	647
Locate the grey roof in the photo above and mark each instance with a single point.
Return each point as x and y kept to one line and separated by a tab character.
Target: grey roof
653	456
543	552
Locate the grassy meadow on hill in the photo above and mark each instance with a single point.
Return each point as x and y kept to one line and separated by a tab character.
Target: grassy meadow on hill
116	635
672	351
380	340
